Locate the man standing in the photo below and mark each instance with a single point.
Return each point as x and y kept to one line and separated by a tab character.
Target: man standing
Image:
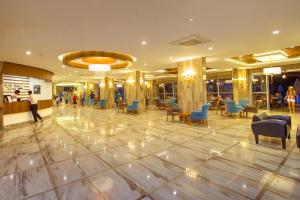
34	107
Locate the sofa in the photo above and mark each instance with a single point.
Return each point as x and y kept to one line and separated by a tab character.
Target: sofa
271	125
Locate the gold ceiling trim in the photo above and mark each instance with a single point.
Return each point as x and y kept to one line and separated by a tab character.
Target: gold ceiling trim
122	60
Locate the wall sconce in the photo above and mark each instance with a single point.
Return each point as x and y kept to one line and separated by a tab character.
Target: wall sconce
119	85
188	74
102	84
110	84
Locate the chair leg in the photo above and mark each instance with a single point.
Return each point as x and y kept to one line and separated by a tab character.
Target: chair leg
256	139
283	141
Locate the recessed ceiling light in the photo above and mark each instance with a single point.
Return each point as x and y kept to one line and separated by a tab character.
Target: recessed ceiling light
210	48
75	71
191	19
275	32
145	64
144	42
63	66
28	53
69	74
171	58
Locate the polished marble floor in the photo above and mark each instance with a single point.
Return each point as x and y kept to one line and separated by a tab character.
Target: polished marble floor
89	154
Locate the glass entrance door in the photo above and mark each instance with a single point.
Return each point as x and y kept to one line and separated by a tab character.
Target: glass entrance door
260	90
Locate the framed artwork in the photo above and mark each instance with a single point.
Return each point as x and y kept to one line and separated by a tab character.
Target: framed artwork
36	89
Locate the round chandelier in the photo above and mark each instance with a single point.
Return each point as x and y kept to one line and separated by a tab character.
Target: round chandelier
96	61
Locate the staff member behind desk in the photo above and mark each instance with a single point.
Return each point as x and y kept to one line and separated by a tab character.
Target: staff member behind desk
34	107
15	96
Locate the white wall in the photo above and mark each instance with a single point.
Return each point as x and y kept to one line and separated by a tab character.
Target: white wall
16	118
46	88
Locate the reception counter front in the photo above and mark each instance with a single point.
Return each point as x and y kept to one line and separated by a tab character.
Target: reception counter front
19	112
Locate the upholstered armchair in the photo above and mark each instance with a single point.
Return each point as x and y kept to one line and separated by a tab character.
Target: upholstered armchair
200	115
133	108
243	102
254	108
172	109
232	108
102	103
271	125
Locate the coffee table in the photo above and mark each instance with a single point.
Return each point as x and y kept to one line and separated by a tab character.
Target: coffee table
185	116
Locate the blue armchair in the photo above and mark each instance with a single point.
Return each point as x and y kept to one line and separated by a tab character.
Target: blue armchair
102	103
232	108
133	108
200	115
243	102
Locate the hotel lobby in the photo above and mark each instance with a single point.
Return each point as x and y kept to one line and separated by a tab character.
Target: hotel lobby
150	100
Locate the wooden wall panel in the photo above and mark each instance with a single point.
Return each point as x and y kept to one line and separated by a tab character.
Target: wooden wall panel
24	106
23	70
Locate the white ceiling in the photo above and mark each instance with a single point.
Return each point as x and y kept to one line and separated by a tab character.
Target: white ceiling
235	27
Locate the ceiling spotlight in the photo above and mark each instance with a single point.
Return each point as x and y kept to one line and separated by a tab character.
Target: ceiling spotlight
75	71
275	32
145	64
191	19
171	58
63	66
69	74
210	48
28	53
144	42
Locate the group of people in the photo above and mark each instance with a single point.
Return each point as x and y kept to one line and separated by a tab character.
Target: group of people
33	104
72	97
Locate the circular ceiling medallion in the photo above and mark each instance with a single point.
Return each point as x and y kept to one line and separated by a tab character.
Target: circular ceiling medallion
82	59
99	60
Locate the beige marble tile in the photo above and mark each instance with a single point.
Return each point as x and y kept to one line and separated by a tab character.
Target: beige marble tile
29	161
165	169
8	166
142	177
64	172
91	165
115	157
285	187
33	181
8	187
56	154
79	190
253	158
115	187
183	157
45	196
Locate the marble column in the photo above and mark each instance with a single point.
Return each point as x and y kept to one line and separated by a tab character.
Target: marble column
240	84
107	91
135	88
149	91
191	84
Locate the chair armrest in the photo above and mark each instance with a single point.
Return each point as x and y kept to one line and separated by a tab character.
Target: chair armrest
196	113
270	127
281	117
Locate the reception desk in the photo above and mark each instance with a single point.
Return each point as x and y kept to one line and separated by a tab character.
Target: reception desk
19	112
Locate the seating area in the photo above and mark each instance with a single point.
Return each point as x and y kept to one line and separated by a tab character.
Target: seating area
150	100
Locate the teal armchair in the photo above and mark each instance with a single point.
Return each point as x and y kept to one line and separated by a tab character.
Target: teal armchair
133	108
102	103
232	108
201	115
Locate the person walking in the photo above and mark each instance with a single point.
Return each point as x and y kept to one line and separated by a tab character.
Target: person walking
34	107
75	100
